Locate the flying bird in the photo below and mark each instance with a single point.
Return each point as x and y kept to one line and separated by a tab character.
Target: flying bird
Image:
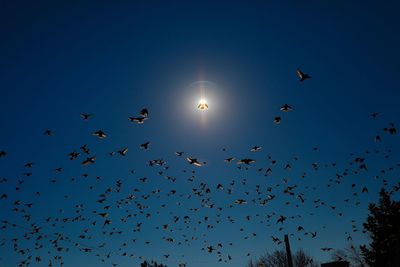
229	160
277	120
145	145
100	134
240	201
123	151
202	106
144	113
286	107
73	155
86	116
139	120
374	115
193	161
246	161
302	76
255	148
88	160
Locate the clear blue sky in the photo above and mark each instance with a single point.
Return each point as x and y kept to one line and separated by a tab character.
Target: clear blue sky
113	59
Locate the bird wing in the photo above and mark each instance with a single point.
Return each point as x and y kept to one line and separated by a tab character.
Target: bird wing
197	163
300	73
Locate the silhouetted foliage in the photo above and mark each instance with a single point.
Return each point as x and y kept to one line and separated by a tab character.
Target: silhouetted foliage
352	254
151	264
278	259
383	225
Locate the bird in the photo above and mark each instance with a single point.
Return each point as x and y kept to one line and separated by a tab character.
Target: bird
277	120
100	134
3	154
123	151
229	159
86	116
73	155
281	219
139	120
48	132
179	153
286	107
144	113
391	130
202	106
255	148
302	76
103	215
145	145
374	115
85	149
193	161
246	161
88	160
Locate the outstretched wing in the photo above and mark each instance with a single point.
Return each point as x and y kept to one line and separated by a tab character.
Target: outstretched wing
301	75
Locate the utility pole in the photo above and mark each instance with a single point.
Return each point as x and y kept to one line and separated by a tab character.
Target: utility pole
288	253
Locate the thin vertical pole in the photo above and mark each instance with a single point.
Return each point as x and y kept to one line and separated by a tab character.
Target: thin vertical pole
288	253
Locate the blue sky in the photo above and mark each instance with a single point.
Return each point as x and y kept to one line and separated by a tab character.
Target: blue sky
113	59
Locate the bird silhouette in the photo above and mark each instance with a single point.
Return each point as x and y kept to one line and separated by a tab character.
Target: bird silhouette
88	160
277	120
246	161
302	76
374	115
229	159
145	146
100	134
193	161
123	151
286	107
86	116
144	113
202	106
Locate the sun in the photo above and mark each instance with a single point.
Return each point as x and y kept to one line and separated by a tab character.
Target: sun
202	104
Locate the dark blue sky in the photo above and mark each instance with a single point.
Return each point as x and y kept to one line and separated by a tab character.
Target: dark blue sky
112	60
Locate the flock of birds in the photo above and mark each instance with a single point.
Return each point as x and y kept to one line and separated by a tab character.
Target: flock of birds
39	238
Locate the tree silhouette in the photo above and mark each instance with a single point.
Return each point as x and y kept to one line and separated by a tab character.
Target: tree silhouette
352	254
383	225
278	259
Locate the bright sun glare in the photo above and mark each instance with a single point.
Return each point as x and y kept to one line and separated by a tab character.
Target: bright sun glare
203	101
